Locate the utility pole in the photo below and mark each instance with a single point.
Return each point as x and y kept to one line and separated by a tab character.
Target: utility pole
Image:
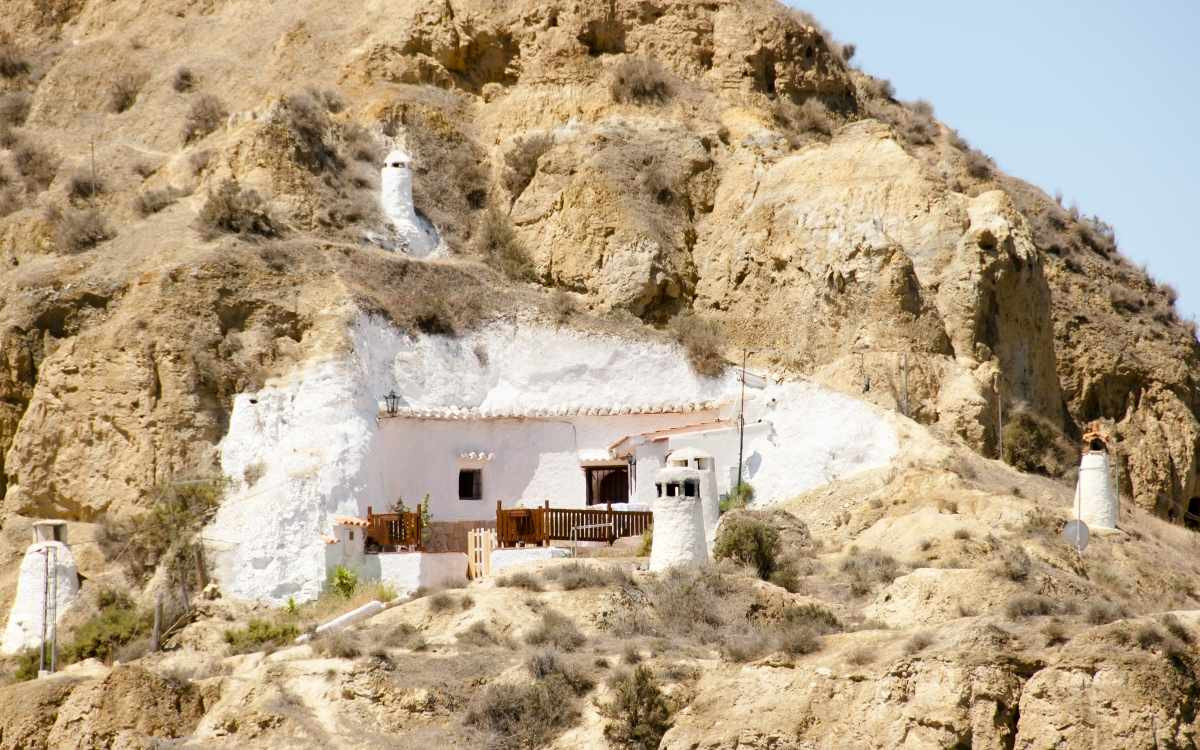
999	418
741	422
904	379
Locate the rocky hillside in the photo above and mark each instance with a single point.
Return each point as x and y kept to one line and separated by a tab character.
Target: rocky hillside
624	161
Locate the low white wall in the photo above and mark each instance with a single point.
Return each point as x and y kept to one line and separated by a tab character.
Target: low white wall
409	571
507	558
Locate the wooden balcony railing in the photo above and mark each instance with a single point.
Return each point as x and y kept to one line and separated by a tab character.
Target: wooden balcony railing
389	532
538	526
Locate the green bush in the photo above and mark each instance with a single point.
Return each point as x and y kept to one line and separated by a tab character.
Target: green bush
28	662
747	540
119	622
343	581
638	714
741	496
259	634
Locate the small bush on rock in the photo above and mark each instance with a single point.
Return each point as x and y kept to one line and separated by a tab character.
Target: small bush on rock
35	164
233	210
118	623
205	115
639	80
259	635
78	230
749	541
639	713
123	91
866	568
702	341
152	201
1032	444
497	243
521	161
574	575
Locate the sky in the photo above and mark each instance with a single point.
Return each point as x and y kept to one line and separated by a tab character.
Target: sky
1100	100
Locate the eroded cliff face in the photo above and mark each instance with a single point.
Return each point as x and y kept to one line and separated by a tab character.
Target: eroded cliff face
858	256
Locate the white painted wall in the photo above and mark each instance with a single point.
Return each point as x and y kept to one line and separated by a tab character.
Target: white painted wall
535	459
1095	494
24	628
409	571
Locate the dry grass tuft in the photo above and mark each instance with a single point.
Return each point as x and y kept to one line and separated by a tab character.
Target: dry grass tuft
1102	613
496	242
1013	563
575	575
810	117
152	201
639	80
78	230
862	655
35	164
234	210
1028	605
1033	444
205	115
520	580
521	161
339	644
12	60
123	91
556	630
702	341
867	568
83	186
14	109
639	713
977	164
918	643
183	80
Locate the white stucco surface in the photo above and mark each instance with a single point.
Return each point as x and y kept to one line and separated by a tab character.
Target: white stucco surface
24	627
409	571
507	558
678	533
395	198
1095	495
316	440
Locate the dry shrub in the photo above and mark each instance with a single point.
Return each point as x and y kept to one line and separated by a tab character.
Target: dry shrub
117	624
152	201
183	80
526	715
848	51
84	186
233	210
76	230
862	655
749	541
441	602
1034	444
574	575
1102	613
810	117
562	307
702	341
260	635
977	164
14	109
339	644
306	116
1124	299
11	200
639	714
880	88
35	164
497	243
1013	564
205	115
555	630
918	643
123	91
478	635
548	663
520	580
521	161
695	603
639	80
866	568
1055	633
1028	605
12	60
404	636
920	129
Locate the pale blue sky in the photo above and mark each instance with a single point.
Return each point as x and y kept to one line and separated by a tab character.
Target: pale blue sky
1100	100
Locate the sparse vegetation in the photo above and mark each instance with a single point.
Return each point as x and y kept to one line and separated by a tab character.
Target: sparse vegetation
1055	633
205	115
639	713
83	186
749	541
977	164
230	209
521	161
962	534
562	307
76	230
810	117
1013	563
741	496
184	80
555	630
867	568
343	582
1028	605
918	643
306	115
526	715
920	129
1102	613
118	623
14	109
520	580
441	602
123	91
12	61
862	655
339	644
152	201
639	80
547	663
702	341
1032	444
575	575
497	243
35	164
260	634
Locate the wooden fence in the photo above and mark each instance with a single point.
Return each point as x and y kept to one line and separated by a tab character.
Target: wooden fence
391	531
480	543
538	526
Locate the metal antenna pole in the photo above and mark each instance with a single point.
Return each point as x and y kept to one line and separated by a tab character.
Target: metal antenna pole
45	607
54	613
741	422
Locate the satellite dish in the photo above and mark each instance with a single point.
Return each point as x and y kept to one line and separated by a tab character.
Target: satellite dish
1076	533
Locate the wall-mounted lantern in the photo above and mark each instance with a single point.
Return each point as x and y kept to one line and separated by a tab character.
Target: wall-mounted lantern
392	401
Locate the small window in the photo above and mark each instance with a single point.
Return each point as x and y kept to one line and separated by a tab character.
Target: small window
672	489
689	488
703	464
658	487
352	535
470	484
